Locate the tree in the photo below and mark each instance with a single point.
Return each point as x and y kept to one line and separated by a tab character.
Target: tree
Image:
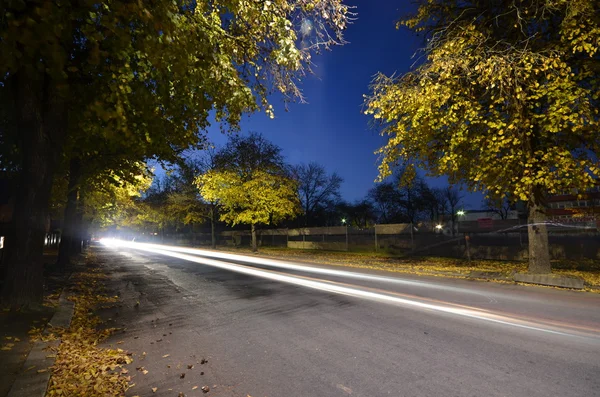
505	100
442	202
185	203
250	183
131	70
386	199
361	214
316	189
452	198
502	206
111	203
409	185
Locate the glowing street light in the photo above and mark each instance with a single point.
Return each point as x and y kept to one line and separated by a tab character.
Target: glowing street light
439	227
343	221
460	213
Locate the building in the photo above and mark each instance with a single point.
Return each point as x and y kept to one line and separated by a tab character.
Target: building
575	207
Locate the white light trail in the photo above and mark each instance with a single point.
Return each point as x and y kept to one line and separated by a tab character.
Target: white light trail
294	266
338	288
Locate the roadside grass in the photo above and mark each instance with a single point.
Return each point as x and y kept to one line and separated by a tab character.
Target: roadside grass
587	269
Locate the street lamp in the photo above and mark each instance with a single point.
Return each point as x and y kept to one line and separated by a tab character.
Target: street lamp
460	213
343	221
439	227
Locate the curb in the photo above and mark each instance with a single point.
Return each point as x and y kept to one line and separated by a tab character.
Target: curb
553	280
31	383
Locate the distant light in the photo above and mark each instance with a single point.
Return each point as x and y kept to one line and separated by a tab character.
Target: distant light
460	213
439	227
306	27
344	220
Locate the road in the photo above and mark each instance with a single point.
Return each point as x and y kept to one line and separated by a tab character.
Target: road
269	328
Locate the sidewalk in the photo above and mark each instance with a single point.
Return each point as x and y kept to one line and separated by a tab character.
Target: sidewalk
19	329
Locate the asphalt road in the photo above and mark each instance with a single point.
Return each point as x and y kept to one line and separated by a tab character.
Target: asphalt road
268	330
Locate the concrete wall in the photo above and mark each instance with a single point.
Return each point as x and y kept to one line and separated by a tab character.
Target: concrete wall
317	245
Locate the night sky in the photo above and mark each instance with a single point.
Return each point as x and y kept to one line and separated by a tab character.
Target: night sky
331	129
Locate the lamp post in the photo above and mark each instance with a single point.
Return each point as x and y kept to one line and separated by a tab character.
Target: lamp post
461	213
344	223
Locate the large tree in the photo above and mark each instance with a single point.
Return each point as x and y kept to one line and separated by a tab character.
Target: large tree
139	71
505	100
251	183
386	199
317	189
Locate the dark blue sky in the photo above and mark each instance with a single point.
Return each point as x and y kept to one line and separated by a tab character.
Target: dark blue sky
331	129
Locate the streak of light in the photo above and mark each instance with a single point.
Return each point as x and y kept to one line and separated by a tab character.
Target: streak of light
295	266
338	288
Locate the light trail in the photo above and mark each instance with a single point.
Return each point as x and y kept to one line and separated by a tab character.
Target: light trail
294	266
344	289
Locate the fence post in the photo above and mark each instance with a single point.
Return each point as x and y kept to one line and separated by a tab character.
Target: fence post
376	245
412	237
287	237
467	245
346	237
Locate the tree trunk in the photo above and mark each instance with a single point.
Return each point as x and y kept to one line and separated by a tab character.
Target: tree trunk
213	237
254	245
41	118
69	233
79	235
539	251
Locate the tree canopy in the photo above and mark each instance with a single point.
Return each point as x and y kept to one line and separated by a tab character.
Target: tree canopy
250	183
316	189
505	100
114	81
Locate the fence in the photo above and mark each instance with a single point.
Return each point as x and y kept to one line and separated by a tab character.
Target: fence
498	239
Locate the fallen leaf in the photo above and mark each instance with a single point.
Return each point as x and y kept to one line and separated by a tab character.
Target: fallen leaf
166	355
190	366
181	376
30	368
17	340
194	388
39	371
145	371
120	342
205	389
8	337
181	394
154	389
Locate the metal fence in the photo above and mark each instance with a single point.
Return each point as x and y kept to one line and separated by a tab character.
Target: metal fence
498	239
